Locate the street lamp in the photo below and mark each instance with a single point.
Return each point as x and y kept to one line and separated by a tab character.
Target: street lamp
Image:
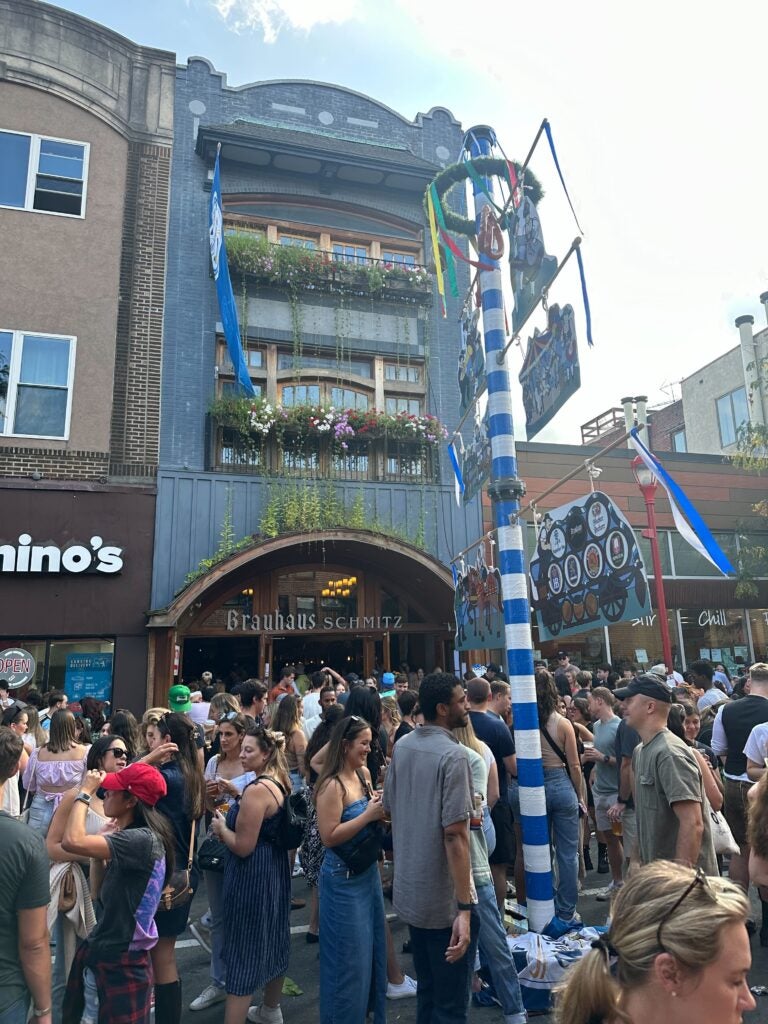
646	481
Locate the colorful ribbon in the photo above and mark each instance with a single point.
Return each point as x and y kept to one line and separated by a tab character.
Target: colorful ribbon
585	297
548	130
450	264
436	251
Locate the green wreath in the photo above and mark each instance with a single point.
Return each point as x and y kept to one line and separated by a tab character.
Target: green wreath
454	174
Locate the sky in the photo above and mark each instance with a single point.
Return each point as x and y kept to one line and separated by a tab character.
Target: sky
658	114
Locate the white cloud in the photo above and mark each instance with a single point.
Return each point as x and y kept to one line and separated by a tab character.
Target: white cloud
271	16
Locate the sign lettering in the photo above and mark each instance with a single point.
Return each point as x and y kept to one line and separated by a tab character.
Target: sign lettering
276	622
26	558
17	667
710	617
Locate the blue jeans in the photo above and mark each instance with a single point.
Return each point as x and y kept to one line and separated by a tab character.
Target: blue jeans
564	823
442	995
214	883
40	814
496	954
489	830
353	944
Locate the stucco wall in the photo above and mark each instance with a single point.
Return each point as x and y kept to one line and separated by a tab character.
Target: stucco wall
700	392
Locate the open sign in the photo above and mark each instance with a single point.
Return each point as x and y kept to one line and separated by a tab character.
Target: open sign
17	667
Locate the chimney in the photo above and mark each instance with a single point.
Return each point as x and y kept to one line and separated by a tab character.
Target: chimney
629	415
641	402
764	300
751	370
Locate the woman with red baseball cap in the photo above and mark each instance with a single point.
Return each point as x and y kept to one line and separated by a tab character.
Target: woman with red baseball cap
139	859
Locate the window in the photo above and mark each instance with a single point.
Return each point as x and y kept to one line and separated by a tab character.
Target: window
732	413
359	367
232	389
679	444
298	241
300	394
344	252
35	384
352	463
347	398
408	374
233	451
405	463
300	462
410	405
405	259
44	174
254	357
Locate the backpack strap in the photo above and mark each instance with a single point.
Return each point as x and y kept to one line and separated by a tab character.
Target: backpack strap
273	781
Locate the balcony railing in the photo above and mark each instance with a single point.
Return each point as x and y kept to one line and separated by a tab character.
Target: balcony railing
298	269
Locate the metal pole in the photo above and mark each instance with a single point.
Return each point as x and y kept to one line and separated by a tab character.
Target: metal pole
661	599
505	491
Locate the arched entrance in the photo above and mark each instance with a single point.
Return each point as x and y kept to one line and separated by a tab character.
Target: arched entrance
350	598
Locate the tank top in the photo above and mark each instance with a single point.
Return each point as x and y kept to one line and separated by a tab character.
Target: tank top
549	759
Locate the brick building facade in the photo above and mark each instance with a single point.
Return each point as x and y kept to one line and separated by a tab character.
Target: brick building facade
86	125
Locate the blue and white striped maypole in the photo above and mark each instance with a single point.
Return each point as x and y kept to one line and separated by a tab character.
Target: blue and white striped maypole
505	490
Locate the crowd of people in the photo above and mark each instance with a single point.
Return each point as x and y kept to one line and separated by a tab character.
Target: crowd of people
401	785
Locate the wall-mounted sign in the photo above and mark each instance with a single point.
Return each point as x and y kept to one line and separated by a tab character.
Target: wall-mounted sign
88	675
17	667
478	607
276	622
587	570
26	558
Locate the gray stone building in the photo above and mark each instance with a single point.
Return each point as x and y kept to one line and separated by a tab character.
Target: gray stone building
329	543
86	120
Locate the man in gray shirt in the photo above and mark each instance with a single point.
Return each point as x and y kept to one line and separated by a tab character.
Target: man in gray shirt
428	793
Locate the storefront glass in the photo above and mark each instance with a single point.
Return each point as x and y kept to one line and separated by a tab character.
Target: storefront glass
715	634
638	642
758	622
82	668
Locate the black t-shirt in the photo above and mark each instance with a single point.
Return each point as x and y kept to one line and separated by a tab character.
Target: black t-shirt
130	894
626	741
496	734
402	730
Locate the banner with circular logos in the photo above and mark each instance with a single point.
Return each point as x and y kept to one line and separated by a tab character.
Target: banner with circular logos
17	667
587	570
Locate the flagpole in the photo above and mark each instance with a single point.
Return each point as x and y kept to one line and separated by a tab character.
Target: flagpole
506	490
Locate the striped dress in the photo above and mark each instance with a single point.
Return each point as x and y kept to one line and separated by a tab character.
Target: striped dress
257	910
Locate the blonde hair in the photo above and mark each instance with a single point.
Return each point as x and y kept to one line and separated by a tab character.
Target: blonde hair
221	702
758	672
150	717
691	934
467	737
393	710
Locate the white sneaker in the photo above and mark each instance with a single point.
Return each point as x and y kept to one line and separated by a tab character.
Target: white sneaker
203	936
266	1014
208	997
206	920
405	990
609	892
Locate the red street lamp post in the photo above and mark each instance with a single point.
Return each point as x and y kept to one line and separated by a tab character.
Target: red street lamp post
646	481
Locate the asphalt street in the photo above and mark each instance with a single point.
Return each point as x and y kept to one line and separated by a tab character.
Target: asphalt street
304	967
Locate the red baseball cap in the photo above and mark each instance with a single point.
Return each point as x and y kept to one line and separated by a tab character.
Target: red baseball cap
144	781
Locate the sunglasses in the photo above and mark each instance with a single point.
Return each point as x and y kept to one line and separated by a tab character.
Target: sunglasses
698	879
228	716
117	751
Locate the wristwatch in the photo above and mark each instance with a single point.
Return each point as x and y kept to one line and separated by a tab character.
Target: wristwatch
84	798
465	906
606	758
40	1013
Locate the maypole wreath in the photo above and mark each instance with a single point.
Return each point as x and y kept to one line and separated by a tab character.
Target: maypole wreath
487	166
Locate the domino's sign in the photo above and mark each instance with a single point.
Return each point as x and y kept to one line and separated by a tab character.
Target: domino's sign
28	559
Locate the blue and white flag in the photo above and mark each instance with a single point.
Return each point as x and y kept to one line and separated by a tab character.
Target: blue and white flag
689	523
458	476
224	291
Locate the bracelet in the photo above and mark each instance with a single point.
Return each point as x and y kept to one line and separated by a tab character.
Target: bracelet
465	906
40	1013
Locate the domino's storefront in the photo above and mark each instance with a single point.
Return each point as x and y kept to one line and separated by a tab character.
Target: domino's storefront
75	573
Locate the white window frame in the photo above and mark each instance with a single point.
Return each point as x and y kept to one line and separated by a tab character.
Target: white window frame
736	426
17	343
33	169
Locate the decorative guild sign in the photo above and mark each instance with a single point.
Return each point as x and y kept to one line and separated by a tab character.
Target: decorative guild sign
587	570
550	373
478	607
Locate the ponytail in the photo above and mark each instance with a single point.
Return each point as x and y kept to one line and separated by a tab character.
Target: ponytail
592	993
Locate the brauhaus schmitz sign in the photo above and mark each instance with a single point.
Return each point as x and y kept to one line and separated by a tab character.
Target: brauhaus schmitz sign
276	622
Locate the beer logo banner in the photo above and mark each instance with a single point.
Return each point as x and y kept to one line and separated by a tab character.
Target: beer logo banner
587	570
478	607
550	373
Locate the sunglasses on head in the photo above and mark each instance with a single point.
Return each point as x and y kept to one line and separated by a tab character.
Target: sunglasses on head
228	716
698	879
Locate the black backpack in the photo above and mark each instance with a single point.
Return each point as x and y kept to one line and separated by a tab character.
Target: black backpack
290	830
